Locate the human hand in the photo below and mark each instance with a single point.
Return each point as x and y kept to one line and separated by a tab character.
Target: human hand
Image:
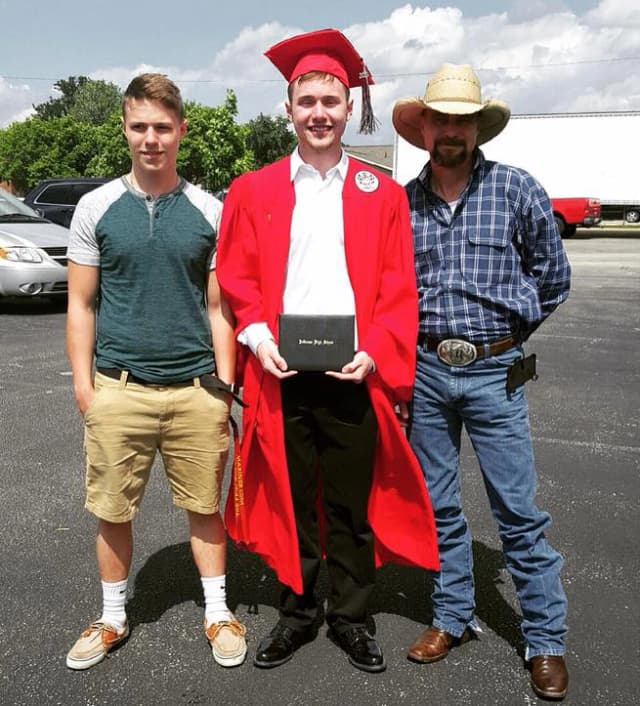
271	360
357	370
84	396
402	414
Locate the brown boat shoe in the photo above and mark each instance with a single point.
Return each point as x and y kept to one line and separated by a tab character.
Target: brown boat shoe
434	644
227	641
549	677
94	643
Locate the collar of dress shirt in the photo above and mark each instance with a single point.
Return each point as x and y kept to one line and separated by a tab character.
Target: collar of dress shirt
297	164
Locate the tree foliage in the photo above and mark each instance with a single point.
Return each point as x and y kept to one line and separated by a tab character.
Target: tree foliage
38	149
84	99
95	102
79	133
110	157
213	151
269	139
60	106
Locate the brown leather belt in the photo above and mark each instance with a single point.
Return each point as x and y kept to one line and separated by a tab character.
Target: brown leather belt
207	380
430	343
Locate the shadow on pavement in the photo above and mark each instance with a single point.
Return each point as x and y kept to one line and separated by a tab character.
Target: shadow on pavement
491	606
33	306
169	577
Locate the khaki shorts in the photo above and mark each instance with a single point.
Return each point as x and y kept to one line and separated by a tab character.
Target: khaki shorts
126	423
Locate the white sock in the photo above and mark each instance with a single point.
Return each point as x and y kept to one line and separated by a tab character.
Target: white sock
215	599
114	596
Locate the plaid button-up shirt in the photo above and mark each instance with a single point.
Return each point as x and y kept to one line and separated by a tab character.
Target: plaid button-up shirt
493	268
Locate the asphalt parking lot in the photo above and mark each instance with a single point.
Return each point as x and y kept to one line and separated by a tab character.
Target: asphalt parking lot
585	419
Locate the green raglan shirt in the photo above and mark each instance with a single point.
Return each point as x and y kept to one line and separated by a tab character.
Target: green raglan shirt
154	256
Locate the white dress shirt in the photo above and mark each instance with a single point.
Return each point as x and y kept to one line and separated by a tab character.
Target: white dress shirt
317	280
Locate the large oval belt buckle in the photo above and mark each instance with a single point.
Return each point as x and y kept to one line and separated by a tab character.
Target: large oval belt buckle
454	351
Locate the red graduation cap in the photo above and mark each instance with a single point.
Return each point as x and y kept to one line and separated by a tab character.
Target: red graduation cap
326	50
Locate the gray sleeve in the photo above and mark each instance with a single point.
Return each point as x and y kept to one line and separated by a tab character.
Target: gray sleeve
83	247
212	212
211	209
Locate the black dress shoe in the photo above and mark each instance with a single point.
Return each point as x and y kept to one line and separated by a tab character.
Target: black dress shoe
364	652
279	645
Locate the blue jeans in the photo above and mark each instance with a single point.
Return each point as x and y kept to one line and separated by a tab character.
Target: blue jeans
497	422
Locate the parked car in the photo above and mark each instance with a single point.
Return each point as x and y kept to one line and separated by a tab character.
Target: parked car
33	251
569	213
56	199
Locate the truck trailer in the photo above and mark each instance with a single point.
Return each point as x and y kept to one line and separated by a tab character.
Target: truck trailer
586	156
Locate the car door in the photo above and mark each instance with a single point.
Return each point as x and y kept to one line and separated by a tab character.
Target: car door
57	202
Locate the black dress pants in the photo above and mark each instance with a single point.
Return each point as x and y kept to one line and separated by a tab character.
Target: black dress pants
330	434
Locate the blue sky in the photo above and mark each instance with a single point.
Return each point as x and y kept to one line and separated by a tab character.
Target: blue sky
538	55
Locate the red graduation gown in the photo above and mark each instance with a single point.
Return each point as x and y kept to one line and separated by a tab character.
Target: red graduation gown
251	264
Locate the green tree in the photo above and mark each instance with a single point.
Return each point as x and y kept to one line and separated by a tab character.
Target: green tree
269	138
110	150
95	102
38	149
60	106
213	151
84	99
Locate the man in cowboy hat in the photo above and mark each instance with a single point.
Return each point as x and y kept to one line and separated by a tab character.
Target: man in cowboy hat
326	463
490	267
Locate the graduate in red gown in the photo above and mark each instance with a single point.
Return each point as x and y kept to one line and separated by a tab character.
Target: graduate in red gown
326	468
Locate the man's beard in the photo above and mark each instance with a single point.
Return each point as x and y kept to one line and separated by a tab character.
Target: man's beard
450	159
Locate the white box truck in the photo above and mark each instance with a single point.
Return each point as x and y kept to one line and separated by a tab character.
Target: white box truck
573	155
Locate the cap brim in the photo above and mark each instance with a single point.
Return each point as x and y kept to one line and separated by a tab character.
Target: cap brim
407	120
492	120
407	117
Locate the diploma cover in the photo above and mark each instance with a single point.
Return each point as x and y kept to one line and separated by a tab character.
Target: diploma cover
316	342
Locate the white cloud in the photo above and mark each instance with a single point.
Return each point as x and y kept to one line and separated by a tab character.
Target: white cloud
615	13
408	38
15	102
538	57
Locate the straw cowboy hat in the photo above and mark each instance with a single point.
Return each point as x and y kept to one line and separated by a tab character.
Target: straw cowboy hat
453	89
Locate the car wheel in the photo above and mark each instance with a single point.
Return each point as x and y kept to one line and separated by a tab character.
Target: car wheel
632	215
569	231
560	224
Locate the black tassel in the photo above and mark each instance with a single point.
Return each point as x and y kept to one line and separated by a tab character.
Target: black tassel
368	121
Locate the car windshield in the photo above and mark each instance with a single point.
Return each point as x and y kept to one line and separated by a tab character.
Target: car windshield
10	205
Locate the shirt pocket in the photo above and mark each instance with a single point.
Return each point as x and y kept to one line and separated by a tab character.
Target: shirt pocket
487	254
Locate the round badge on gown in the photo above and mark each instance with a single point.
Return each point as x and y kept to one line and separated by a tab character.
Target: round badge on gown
367	181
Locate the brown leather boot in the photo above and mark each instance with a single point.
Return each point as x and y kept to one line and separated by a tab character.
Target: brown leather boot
549	677
434	644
